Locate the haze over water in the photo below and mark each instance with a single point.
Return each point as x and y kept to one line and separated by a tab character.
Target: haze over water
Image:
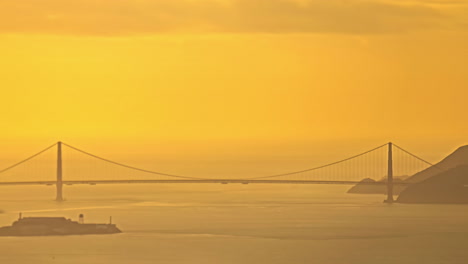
214	223
231	89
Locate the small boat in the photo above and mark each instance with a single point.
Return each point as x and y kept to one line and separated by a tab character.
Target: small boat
56	226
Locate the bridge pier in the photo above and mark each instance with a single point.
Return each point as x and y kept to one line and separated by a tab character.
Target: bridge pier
390	175
59	182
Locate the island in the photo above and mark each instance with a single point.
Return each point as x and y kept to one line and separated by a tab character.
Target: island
55	226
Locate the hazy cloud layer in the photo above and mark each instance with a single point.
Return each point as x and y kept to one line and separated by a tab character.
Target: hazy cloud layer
140	17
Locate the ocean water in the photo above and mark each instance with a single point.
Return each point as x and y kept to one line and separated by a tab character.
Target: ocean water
235	224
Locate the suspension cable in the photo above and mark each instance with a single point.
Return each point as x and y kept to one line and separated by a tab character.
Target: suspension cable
414	156
131	167
319	167
23	161
195	178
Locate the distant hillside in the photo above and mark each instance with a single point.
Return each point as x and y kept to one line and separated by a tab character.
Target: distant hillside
368	186
450	186
458	158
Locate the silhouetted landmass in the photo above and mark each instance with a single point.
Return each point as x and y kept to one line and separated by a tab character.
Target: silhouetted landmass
450	186
458	158
370	186
55	226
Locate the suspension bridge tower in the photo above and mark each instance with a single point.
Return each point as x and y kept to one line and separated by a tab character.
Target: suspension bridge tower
59	182
390	174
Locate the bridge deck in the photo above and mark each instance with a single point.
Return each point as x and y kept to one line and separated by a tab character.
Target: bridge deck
218	181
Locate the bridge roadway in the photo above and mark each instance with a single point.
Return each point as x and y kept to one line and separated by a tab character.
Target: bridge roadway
219	181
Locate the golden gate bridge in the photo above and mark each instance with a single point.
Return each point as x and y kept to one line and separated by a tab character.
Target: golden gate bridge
59	165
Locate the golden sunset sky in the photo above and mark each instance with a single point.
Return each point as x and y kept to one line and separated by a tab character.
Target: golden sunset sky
233	77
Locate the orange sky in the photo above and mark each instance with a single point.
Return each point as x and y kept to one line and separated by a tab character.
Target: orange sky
235	77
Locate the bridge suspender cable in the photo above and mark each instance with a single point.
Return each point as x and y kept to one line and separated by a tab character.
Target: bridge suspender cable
131	167
319	167
196	178
414	156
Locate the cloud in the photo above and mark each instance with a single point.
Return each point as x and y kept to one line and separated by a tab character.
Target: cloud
144	17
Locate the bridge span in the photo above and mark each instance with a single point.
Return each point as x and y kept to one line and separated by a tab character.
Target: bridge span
379	166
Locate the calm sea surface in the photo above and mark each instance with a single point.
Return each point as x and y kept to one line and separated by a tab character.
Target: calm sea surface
241	224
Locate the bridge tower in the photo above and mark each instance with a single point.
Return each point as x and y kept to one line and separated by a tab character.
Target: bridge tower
390	174
59	182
